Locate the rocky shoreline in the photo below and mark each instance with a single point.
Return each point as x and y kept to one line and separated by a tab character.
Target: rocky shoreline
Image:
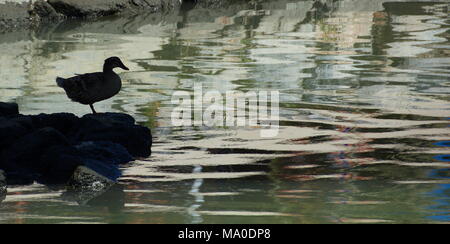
19	14
50	148
16	15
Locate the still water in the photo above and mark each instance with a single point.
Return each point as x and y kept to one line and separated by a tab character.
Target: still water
364	110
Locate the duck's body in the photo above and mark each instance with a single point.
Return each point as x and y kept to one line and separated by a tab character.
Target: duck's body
90	88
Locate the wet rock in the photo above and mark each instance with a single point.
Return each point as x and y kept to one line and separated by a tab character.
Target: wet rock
63	122
23	155
13	16
105	151
10	131
2	178
37	14
59	163
45	11
110	119
49	147
86	8
23	120
8	109
96	8
113	199
135	139
109	171
87	184
20	177
29	14
117	128
3	186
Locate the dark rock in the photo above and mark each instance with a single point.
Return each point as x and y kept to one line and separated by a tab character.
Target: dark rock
15	16
24	154
105	151
117	128
8	109
21	177
37	14
215	3
63	122
44	10
110	119
87	8
23	120
113	199
10	131
109	171
136	139
187	5
97	8
87	184
59	163
48	148
3	186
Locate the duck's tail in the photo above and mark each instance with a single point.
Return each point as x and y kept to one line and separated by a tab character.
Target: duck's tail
60	81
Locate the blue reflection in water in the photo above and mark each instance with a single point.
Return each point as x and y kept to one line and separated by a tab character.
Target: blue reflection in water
443	144
442	194
443	158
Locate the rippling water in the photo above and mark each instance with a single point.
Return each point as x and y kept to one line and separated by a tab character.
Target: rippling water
365	112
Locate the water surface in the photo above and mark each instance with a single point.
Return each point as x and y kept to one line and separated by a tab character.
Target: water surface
365	110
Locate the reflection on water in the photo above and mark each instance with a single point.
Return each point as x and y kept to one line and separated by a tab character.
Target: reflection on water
364	134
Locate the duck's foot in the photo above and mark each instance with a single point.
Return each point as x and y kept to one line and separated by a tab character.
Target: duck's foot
92	108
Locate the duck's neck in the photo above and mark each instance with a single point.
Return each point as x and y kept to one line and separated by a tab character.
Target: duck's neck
108	69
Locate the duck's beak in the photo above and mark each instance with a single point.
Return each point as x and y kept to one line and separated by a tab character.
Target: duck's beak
123	66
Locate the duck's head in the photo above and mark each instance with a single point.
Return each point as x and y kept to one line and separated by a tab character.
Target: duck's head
114	62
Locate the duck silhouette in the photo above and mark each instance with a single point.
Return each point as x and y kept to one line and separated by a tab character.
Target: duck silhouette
90	88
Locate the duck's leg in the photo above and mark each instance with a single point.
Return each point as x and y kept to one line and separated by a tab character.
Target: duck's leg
92	108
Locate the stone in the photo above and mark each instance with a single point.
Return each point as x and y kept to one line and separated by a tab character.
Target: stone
23	120
8	109
97	8
105	151
88	8
86	184
136	139
10	131
109	171
113	199
3	186
59	163
45	11
110	119
23	155
63	122
13	16
48	148
118	129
